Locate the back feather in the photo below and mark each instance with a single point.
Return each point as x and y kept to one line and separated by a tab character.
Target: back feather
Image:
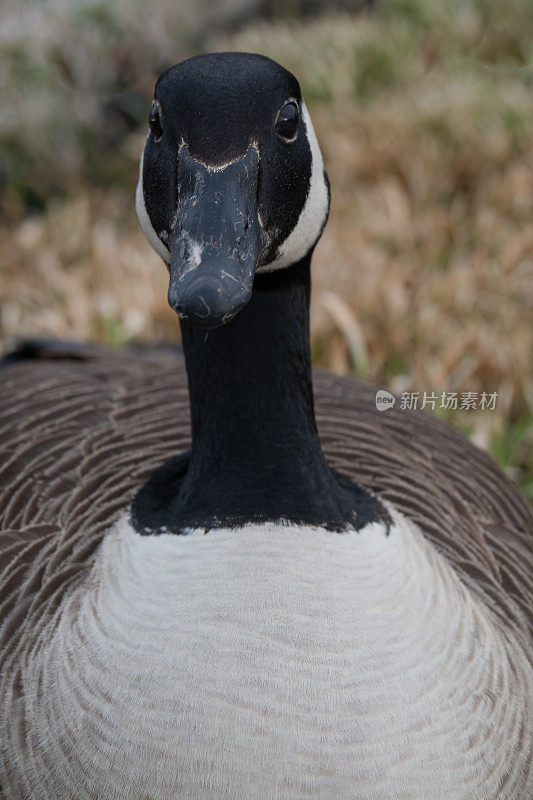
80	432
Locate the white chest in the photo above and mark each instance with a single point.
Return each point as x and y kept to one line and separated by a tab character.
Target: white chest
275	662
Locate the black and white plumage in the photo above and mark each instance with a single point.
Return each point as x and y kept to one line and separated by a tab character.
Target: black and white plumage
218	130
269	615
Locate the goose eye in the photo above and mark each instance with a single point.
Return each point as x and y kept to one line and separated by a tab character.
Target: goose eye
287	121
154	121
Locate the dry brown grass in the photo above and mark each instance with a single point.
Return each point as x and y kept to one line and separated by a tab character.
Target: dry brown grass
423	277
83	270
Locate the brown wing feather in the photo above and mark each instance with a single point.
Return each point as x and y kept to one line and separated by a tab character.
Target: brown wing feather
77	437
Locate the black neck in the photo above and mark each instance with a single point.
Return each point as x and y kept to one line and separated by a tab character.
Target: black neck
255	454
250	387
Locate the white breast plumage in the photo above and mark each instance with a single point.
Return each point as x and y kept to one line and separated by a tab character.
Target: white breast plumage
210	665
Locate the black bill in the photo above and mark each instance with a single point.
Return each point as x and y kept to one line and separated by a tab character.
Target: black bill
216	240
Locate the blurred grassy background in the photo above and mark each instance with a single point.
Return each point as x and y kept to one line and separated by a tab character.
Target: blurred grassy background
424	109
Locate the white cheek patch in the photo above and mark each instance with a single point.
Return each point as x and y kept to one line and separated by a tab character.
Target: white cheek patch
144	219
313	215
306	231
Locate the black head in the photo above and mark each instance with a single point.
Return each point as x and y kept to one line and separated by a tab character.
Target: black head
231	180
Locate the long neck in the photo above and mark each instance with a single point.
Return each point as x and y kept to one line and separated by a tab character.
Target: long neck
250	386
255	454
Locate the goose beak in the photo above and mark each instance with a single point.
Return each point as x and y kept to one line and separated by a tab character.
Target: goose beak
216	241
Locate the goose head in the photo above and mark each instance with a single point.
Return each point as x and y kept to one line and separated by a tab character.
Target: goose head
231	181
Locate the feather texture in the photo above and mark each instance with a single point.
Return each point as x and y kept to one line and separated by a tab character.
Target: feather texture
78	437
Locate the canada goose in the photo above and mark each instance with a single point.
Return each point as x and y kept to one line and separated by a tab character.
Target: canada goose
267	616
